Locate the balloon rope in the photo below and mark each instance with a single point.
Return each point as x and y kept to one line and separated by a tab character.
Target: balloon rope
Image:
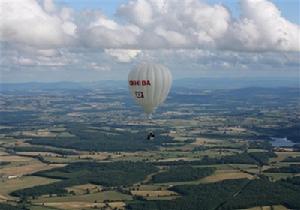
150	121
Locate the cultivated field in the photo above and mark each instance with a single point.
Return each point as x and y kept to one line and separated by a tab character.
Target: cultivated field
10	185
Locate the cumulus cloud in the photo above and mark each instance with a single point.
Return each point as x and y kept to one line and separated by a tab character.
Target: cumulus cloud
122	55
103	32
137	12
262	27
176	24
196	60
27	22
195	24
150	24
185	34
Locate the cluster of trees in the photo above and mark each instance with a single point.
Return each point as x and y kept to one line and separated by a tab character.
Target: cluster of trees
195	197
228	194
225	136
4	163
221	147
294	168
17	117
44	149
260	145
106	174
295	181
253	144
292	159
182	173
4	206
56	188
291	132
262	158
296	147
96	140
242	158
261	192
259	158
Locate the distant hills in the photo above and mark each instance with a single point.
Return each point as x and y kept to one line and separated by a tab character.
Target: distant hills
235	83
190	83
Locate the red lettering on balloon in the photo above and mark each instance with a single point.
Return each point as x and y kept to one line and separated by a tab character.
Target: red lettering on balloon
139	83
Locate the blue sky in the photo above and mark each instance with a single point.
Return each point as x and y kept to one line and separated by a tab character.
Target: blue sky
88	40
107	6
289	8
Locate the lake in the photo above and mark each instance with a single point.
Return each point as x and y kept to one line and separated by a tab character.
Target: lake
281	142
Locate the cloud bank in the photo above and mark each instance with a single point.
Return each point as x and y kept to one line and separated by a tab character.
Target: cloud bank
150	24
41	33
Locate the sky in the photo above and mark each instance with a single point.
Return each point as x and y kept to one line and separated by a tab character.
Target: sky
92	40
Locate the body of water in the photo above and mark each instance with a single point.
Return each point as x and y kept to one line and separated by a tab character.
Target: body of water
281	142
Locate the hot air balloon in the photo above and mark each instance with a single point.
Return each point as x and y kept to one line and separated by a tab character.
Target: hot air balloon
150	84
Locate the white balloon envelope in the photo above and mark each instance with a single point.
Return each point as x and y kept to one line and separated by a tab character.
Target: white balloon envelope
150	84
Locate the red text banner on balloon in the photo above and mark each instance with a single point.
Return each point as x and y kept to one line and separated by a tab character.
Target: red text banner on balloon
139	83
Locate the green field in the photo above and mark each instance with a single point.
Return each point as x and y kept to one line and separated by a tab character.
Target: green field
87	148
8	186
99	197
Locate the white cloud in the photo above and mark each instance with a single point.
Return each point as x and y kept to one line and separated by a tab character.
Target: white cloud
138	12
177	39
196	24
102	32
26	22
25	61
98	67
49	6
122	55
150	24
262	28
188	35
176	23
